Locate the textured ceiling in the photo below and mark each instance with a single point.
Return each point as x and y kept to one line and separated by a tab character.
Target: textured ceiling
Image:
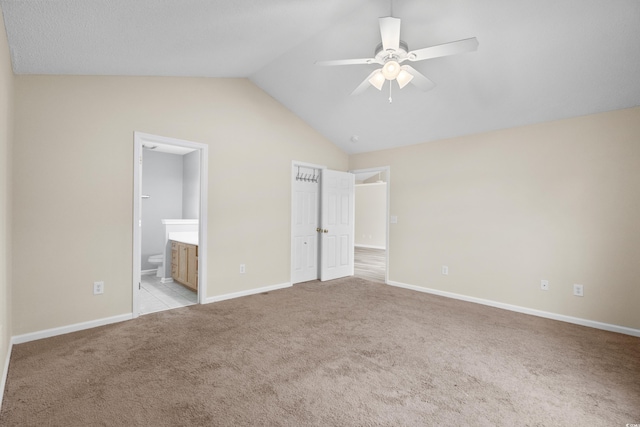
538	60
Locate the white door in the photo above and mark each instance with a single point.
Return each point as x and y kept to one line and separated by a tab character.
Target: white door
337	224
305	223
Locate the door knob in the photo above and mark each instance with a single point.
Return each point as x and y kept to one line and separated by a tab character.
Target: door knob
325	230
319	230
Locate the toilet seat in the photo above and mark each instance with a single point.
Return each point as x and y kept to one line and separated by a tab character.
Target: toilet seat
155	259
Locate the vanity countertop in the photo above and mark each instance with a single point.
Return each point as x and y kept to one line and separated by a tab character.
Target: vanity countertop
188	237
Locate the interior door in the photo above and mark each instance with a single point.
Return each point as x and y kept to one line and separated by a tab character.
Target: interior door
305	218
337	218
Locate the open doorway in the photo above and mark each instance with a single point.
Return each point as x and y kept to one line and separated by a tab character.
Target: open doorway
371	252
170	223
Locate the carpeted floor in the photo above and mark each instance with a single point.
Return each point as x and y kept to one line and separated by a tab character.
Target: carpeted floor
346	352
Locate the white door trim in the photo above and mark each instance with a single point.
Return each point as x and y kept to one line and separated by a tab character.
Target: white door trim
387	171
294	164
139	138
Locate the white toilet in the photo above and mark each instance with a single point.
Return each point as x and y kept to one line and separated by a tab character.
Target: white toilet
157	260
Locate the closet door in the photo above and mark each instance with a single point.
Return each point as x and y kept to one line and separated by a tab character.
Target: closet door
337	219
305	222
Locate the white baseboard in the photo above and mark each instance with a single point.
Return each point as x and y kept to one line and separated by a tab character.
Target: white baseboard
166	280
524	310
5	372
370	246
247	293
32	336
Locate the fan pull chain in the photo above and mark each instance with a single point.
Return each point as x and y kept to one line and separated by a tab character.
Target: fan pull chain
390	85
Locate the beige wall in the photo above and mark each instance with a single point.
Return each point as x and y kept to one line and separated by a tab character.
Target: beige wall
503	210
6	126
371	215
73	186
556	201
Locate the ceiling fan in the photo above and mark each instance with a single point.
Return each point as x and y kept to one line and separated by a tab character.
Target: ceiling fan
392	52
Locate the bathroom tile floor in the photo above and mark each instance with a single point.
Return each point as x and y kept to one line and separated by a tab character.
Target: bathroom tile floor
156	296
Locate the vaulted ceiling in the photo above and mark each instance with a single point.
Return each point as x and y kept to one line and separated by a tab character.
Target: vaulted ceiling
538	60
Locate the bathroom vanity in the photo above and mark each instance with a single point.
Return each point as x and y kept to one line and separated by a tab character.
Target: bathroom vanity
184	264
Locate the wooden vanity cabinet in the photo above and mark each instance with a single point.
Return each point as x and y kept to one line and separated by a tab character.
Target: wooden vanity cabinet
184	264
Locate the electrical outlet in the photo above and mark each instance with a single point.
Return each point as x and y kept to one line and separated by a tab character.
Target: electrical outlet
445	270
578	290
98	288
544	285
243	269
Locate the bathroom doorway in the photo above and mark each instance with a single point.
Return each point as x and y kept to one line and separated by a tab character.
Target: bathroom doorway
170	223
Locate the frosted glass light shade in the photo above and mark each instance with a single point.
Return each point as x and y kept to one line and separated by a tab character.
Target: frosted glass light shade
404	77
390	70
377	80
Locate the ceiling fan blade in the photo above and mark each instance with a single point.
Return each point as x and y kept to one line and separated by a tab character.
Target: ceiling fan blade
446	49
363	61
390	33
364	85
419	80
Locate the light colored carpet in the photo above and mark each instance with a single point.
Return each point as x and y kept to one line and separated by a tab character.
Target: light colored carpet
346	352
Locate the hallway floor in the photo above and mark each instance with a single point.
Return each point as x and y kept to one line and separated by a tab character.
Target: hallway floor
370	264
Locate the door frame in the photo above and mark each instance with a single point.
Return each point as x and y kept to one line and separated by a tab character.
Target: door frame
140	138
387	171
295	164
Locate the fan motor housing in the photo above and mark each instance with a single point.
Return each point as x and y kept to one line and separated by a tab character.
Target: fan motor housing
382	55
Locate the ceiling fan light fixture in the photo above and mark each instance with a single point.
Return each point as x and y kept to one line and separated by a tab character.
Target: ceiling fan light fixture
391	69
392	52
377	80
404	77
